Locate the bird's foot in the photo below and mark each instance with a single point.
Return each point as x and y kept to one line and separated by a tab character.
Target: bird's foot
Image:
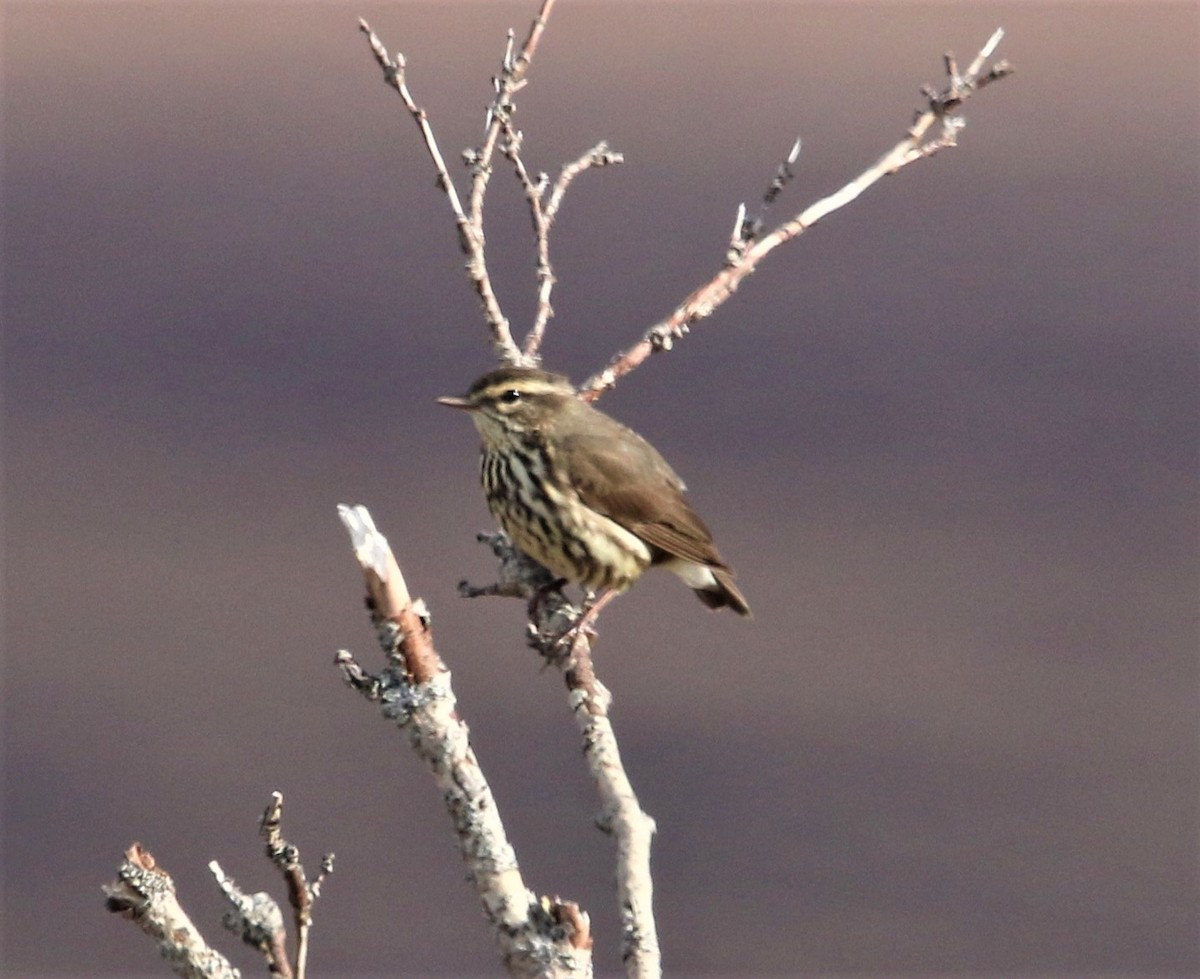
583	625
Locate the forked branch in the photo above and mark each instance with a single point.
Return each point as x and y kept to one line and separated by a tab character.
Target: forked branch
621	815
302	892
746	249
470	229
542	212
499	133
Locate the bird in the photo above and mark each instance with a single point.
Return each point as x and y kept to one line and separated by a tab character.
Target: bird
584	495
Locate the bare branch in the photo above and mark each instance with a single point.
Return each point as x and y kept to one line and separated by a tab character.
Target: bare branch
257	920
145	894
499	116
551	616
621	815
470	230
598	156
536	937
747	250
301	893
498	131
534	192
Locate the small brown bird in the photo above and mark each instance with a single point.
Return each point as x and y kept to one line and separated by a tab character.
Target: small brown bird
582	494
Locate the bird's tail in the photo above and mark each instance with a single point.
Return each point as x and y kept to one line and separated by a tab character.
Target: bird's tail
723	593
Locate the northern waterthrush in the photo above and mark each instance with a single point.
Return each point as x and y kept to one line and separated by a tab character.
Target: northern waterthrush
582	494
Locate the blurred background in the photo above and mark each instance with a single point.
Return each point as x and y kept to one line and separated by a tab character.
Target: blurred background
948	439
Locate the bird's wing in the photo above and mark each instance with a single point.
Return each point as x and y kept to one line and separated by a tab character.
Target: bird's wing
622	476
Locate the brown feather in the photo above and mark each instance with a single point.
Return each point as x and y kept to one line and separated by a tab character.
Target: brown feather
729	596
619	474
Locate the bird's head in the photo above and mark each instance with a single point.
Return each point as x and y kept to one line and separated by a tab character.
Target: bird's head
510	401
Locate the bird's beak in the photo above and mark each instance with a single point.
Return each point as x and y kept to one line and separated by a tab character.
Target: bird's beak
457	403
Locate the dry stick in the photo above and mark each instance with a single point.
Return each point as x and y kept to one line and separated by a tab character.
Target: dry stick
257	920
622	815
301	892
534	192
470	230
512	78
543	215
744	254
145	894
498	124
547	937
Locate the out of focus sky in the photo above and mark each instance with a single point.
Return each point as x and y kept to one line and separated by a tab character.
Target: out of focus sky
948	439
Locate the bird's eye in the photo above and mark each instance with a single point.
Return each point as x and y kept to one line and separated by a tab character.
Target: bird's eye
510	397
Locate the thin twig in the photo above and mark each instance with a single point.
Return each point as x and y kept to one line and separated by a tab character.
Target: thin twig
534	192
510	80
745	230
470	229
301	892
740	262
543	219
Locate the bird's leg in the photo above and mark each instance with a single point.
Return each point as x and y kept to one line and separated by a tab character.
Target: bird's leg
592	607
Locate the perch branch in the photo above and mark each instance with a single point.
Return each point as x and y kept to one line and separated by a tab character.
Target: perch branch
144	893
747	249
546	937
621	816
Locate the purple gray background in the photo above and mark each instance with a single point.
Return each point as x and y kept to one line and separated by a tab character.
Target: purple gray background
948	439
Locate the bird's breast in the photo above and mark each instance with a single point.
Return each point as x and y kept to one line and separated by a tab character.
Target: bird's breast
544	515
